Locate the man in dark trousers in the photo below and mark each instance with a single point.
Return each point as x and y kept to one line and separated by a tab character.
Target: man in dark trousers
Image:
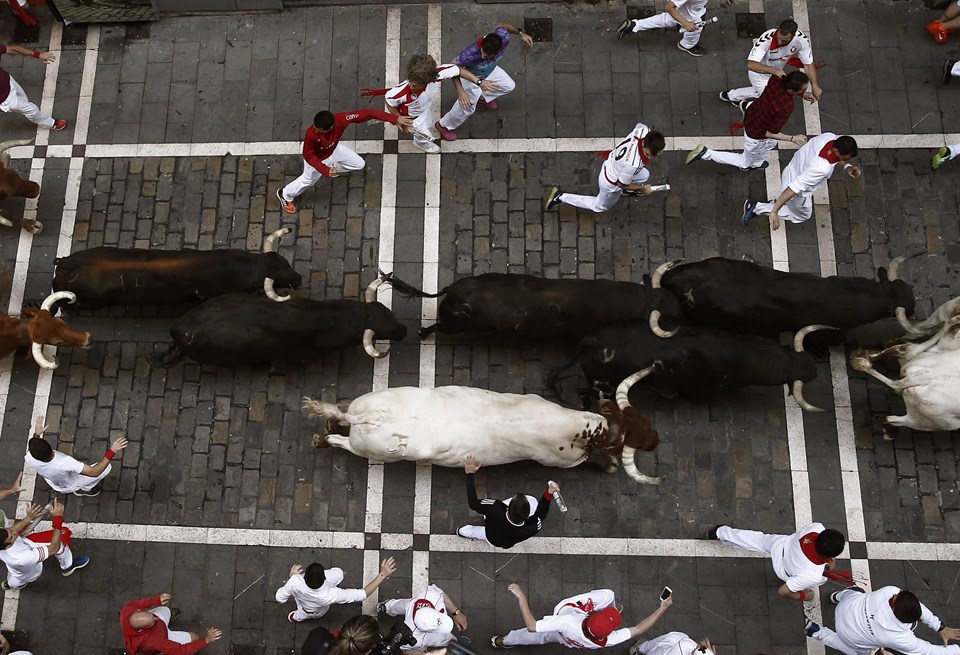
504	525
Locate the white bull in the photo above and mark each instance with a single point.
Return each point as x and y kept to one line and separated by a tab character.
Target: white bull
929	379
443	425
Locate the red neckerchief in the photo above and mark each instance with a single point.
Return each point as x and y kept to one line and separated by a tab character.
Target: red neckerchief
480	42
808	544
643	157
602	642
773	42
831	157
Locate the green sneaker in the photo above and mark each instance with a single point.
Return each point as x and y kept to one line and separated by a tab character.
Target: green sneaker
942	156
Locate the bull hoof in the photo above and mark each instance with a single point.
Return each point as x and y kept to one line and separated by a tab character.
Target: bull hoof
860	363
36	228
320	441
611	468
886	435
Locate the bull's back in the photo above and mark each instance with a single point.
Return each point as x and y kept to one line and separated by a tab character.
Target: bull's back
240	329
127	276
445	424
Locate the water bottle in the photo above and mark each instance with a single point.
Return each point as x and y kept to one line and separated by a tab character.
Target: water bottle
660	187
562	506
47	510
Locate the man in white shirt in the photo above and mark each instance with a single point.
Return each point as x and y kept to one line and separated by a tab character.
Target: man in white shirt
589	620
885	618
431	616
799	559
672	643
65	474
24	555
677	13
414	97
625	169
811	165
770	53
315	589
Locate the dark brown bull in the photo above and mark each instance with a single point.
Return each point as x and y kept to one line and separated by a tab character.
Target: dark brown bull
38	327
11	184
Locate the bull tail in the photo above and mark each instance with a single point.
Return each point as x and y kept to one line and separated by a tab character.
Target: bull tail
552	379
319	408
408	290
168	357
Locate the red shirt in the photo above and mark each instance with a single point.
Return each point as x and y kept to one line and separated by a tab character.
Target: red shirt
153	640
317	146
770	112
4	79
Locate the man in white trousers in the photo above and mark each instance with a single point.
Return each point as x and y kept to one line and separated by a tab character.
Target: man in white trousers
799	559
23	552
481	59
762	122
775	49
811	165
325	156
885	618
589	620
945	154
15	98
672	643
625	169
414	96
315	589
431	616
66	474
677	13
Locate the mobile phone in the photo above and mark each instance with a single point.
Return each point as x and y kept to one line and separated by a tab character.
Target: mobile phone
666	593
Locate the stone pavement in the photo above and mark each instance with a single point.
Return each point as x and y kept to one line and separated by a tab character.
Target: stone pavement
183	130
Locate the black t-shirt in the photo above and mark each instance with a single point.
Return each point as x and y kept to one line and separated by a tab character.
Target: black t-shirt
318	642
500	531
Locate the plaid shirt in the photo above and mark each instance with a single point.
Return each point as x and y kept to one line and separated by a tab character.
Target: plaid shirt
770	112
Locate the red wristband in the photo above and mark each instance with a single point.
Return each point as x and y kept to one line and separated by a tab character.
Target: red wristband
57	522
36	54
803	596
110	454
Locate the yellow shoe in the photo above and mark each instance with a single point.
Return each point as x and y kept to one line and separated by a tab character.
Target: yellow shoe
939	159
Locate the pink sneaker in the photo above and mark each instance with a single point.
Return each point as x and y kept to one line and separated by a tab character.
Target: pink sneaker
448	135
290	617
59	125
492	104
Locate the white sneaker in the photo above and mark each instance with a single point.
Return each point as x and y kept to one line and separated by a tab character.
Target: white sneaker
430	147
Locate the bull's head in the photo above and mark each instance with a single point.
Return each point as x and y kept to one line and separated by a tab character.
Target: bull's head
11	184
279	271
381	321
46	329
637	431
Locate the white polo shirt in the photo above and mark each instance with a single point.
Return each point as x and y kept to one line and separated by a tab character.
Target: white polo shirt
318	601
799	47
692	10
625	164
62	472
413	104
808	169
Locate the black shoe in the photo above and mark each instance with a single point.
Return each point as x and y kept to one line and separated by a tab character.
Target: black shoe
382	607
749	211
93	492
4	586
626	27
948	71
725	96
174	613
712	532
695	51
553	198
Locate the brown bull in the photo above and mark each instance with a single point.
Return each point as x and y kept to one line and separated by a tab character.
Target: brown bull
11	184
38	327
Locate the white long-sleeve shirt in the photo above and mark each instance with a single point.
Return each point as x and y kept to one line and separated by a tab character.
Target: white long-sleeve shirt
809	168
317	601
866	621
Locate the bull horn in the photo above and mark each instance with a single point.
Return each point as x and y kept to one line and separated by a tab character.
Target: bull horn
56	297
904	321
6	145
628	457
370	293
803	332
893	271
40	358
661	269
370	348
655	326
268	246
623	390
798	396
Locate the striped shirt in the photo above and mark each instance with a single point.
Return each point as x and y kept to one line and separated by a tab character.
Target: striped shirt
625	162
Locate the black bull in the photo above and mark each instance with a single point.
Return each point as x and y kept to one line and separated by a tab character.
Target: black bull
240	329
747	298
526	307
697	363
119	276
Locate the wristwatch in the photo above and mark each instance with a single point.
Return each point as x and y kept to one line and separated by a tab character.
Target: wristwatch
456	612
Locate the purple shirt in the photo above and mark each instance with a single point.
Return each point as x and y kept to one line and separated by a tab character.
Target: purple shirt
473	60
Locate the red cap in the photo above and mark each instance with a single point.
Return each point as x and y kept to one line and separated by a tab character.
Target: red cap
604	622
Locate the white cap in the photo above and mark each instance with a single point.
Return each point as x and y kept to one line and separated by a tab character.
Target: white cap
428	619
